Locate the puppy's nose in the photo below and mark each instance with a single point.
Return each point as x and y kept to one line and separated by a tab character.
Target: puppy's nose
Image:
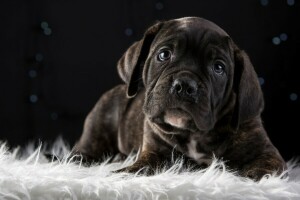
185	88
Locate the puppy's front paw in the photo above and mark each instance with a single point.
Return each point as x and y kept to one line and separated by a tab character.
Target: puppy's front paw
136	169
256	173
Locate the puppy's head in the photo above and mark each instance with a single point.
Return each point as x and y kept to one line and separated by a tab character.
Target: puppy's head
194	76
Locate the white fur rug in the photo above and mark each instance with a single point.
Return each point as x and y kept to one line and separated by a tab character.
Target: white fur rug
31	176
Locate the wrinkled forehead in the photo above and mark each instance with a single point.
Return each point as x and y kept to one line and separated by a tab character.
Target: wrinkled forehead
192	28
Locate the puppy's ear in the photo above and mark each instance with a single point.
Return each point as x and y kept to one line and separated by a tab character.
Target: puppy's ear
249	97
131	64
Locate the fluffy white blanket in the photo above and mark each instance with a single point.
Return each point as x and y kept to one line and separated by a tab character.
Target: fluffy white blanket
31	176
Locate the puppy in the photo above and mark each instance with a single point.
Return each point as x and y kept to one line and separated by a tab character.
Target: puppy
189	92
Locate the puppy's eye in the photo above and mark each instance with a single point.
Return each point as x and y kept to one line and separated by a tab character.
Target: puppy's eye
219	68
164	55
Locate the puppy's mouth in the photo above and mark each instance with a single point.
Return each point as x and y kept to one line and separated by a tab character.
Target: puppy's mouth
174	121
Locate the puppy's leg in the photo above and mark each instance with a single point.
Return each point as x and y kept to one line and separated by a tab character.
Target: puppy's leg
268	163
157	154
99	138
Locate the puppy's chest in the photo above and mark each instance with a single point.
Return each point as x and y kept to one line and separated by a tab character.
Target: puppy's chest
195	151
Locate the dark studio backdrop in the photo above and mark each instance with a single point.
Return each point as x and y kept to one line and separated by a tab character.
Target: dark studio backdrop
58	56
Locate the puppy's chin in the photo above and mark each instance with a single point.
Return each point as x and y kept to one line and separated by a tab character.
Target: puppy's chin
174	121
177	118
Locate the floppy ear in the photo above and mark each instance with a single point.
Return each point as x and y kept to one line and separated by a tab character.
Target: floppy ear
130	65
249	97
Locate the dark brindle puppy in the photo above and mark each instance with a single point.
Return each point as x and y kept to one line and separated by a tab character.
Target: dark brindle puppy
189	90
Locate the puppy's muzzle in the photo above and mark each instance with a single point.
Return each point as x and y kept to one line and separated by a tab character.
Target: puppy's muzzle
185	89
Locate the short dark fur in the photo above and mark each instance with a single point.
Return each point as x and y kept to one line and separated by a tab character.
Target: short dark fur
219	114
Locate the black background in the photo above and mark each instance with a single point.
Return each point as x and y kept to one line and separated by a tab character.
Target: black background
58	56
